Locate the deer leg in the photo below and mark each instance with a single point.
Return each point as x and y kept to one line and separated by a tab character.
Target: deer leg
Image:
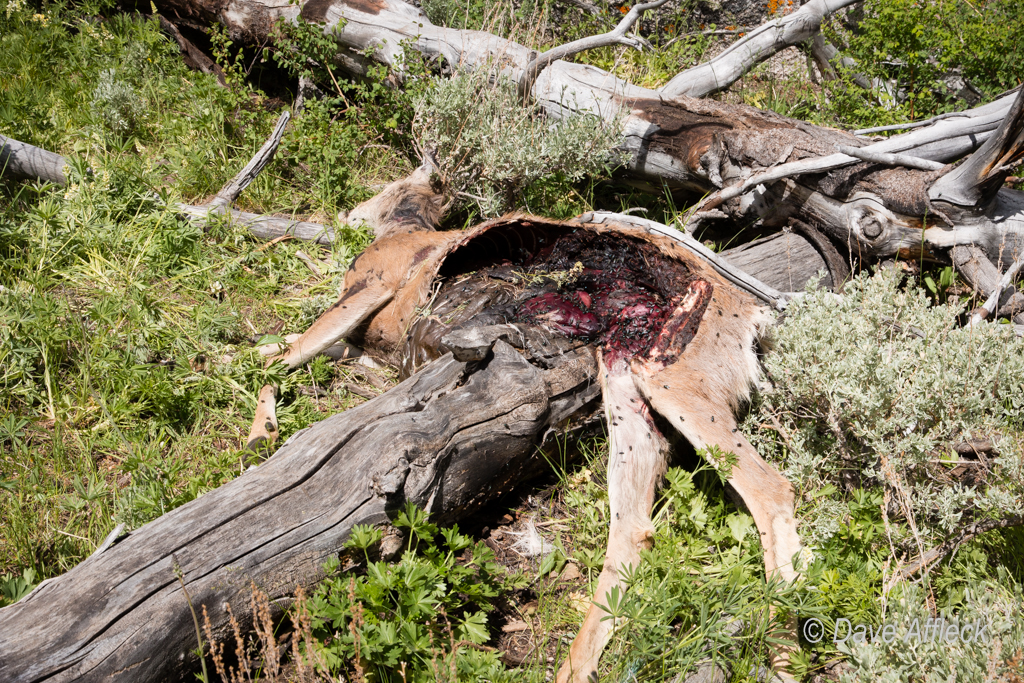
636	463
766	493
356	304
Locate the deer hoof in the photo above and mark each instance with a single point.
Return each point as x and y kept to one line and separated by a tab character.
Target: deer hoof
259	449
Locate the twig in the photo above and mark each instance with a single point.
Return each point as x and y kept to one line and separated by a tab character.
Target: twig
310	263
937	553
617	36
359	391
847	156
267	245
889	159
908	126
229	193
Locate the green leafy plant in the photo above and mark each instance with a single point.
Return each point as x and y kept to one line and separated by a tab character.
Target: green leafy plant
423	618
14	588
490	147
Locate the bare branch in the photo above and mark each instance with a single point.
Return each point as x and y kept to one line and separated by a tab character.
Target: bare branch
889	159
908	126
758	45
935	554
230	192
1004	101
976	181
262	226
616	36
847	155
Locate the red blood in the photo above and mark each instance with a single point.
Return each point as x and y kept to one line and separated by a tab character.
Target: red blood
562	312
630	298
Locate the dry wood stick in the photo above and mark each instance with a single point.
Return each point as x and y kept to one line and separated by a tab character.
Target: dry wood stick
616	36
763	42
889	159
234	187
937	553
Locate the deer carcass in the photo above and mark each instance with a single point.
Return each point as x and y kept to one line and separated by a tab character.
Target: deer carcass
669	336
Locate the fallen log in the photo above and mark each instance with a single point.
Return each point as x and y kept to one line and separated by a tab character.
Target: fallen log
672	139
21	160
449	439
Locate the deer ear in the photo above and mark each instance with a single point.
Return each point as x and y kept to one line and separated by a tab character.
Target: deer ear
343	217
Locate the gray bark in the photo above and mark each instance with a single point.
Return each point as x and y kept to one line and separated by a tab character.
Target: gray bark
449	439
21	160
976	181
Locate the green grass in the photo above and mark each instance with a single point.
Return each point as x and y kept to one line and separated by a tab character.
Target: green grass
127	367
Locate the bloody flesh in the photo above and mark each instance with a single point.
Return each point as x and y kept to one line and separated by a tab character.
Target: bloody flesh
621	293
617	292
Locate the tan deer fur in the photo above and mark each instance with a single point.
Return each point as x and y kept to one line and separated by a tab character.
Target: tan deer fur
698	393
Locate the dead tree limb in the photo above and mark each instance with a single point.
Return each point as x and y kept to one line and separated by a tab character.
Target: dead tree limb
193	56
889	159
932	556
761	43
976	181
449	439
705	146
20	160
234	187
992	303
262	226
616	36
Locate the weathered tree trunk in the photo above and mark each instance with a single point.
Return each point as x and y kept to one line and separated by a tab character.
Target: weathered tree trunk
707	146
449	438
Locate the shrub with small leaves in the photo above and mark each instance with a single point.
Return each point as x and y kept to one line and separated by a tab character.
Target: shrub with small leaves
116	103
874	389
970	643
491	147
